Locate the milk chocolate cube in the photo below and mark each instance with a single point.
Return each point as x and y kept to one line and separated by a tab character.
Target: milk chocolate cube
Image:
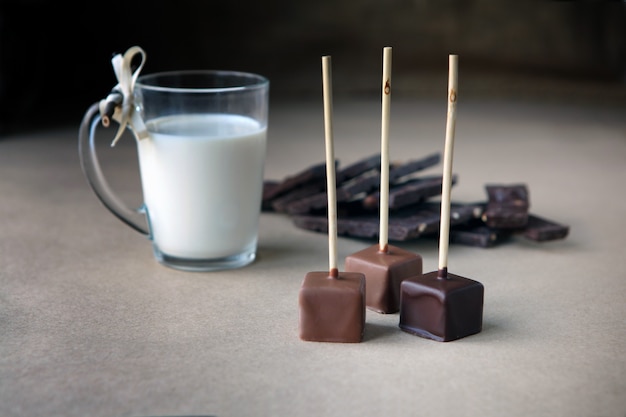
441	309
332	309
384	272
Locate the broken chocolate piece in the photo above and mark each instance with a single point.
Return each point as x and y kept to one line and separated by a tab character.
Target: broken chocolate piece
408	193
397	171
269	187
542	230
279	194
366	182
441	309
405	224
362	184
474	234
425	219
507	207
313	173
332	309
358	168
384	272
346	192
281	203
505	214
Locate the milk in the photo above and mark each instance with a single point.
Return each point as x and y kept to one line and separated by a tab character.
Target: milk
202	178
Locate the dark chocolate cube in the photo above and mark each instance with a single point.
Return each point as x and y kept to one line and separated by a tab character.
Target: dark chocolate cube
332	309
384	272
441	309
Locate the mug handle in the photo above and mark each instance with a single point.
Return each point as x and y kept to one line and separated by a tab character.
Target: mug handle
134	218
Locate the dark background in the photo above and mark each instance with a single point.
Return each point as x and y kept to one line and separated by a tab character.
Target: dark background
55	57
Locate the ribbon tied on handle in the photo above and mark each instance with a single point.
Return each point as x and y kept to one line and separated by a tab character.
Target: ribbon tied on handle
119	104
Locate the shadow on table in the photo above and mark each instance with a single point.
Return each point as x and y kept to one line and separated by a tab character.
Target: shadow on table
378	331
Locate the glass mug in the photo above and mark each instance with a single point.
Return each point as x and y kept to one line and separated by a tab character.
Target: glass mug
201	161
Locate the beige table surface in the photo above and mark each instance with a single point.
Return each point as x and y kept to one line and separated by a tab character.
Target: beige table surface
91	325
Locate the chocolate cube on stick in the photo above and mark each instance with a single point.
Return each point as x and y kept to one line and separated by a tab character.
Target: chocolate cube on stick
384	266
439	305
384	272
332	303
332	307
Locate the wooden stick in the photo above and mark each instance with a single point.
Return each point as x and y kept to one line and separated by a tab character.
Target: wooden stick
444	233
384	152
331	184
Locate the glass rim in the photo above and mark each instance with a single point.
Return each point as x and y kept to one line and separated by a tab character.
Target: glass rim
256	81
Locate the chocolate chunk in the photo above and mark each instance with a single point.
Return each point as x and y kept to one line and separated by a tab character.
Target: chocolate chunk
332	309
424	219
269	187
477	234
384	271
358	168
281	203
507	206
308	204
362	184
404	224
362	176
441	309
408	193
346	192
366	182
315	173
542	230
397	171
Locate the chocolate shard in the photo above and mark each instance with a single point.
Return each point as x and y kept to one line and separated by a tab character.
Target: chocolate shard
384	272
405	224
507	206
408	193
308	204
281	204
312	223
542	230
477	234
358	168
332	309
362	176
441	309
269	187
460	213
397	171
312	196
364	183
357	180
314	173
361	226
348	191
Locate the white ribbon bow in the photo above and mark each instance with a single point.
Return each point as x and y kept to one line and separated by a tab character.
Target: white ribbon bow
121	96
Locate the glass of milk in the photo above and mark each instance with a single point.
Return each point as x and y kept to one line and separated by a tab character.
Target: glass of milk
201	154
